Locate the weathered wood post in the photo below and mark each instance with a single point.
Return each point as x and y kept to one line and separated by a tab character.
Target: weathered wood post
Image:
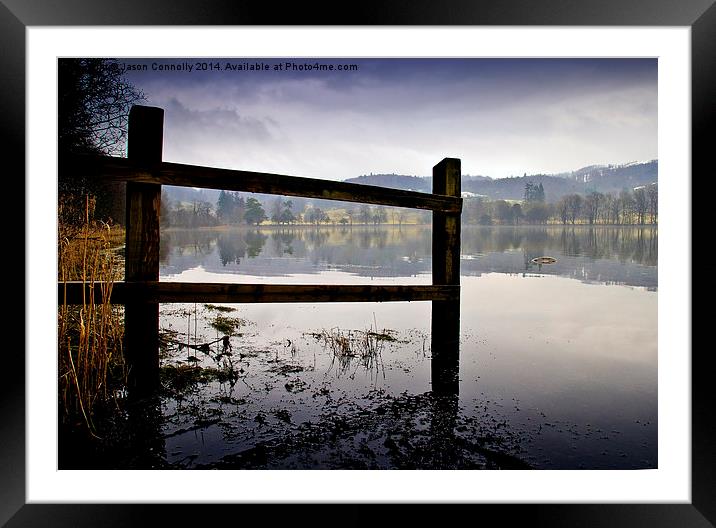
445	324
141	319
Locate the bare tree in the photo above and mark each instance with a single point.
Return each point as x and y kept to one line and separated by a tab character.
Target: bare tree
615	207
351	212
94	100
574	206
563	209
652	197
592	206
640	204
627	205
607	208
365	213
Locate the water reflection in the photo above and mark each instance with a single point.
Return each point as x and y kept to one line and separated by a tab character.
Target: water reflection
406	431
551	369
132	439
445	348
607	255
233	248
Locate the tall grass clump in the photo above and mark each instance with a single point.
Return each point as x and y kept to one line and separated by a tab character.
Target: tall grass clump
91	367
364	345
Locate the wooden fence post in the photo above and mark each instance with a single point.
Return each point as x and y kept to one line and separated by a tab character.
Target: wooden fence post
445	321
141	319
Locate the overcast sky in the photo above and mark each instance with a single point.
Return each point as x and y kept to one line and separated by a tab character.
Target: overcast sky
502	117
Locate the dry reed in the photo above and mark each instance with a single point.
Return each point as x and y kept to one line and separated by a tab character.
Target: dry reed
91	366
365	346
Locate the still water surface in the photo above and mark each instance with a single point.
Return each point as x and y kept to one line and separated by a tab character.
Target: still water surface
558	363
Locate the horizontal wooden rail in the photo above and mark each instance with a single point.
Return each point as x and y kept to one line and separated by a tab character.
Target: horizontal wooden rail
122	169
165	292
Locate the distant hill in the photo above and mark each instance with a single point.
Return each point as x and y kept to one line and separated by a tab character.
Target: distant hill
616	177
514	188
602	178
190	194
395	181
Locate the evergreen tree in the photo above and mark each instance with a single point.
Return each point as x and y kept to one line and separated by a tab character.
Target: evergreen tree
239	208
534	192
255	213
225	207
529	192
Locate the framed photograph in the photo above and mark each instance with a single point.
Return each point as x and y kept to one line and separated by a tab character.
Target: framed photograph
557	129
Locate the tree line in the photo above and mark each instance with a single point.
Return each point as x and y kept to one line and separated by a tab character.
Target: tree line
629	207
233	209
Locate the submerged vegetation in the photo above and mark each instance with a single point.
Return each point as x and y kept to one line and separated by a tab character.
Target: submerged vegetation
226	325
364	345
400	431
224	309
178	380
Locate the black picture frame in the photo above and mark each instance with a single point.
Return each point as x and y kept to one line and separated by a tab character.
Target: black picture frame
700	15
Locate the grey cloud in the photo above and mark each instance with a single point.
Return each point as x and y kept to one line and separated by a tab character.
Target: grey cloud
500	118
216	121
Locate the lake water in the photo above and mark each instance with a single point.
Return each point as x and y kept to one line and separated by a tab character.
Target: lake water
557	369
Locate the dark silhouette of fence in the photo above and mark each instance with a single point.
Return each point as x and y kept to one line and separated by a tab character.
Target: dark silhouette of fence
141	292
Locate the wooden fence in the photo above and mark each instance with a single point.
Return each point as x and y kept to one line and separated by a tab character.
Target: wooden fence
141	292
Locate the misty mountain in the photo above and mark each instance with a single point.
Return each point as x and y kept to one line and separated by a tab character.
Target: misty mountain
493	188
610	177
190	194
395	181
602	178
